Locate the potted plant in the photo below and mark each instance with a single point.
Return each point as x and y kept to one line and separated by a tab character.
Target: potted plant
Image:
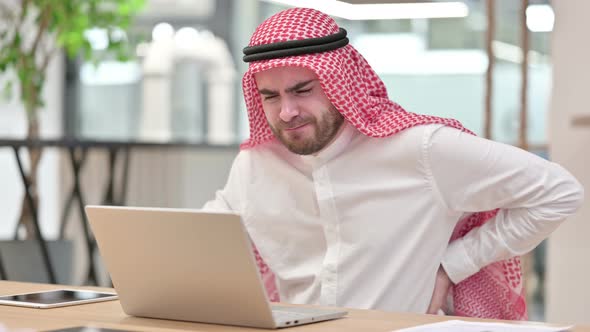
32	32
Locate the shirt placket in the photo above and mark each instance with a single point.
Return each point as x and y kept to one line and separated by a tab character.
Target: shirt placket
327	209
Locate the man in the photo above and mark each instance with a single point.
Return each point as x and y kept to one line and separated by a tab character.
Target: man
352	201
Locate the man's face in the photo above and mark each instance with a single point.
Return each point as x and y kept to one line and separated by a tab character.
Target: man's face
298	111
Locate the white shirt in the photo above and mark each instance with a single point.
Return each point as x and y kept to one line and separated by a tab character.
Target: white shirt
366	222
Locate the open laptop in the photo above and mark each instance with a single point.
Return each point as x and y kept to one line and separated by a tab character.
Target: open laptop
189	265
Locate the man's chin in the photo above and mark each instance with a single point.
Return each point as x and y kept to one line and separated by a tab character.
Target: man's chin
296	146
299	143
302	152
301	148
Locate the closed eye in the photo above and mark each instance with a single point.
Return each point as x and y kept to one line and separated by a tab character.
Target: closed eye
269	97
303	91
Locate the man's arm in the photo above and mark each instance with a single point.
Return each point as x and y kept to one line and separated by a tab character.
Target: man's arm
218	204
228	199
472	174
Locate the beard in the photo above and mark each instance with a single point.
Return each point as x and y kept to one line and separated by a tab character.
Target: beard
324	130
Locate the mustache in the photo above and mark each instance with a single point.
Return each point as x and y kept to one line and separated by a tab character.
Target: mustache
296	122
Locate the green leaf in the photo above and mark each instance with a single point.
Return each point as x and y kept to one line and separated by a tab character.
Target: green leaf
136	5
16	41
7	91
82	23
87	50
124	9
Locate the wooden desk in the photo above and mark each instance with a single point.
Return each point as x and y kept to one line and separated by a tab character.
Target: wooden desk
110	315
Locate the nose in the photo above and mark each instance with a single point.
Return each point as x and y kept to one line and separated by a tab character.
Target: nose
289	109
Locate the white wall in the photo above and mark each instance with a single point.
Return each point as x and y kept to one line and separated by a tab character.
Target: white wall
568	264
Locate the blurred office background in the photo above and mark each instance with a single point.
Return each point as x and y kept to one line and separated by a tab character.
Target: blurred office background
184	86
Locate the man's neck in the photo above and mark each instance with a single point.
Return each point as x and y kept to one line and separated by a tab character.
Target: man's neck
333	140
336	146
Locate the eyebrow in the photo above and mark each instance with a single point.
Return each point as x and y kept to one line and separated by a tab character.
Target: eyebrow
295	87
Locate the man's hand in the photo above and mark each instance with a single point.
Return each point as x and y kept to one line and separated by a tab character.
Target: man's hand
441	290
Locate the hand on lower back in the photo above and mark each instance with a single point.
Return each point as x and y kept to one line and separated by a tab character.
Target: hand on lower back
441	290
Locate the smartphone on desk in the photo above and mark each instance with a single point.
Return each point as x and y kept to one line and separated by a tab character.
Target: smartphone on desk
56	298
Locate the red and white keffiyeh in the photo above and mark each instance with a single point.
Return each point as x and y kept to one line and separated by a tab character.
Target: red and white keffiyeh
356	91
